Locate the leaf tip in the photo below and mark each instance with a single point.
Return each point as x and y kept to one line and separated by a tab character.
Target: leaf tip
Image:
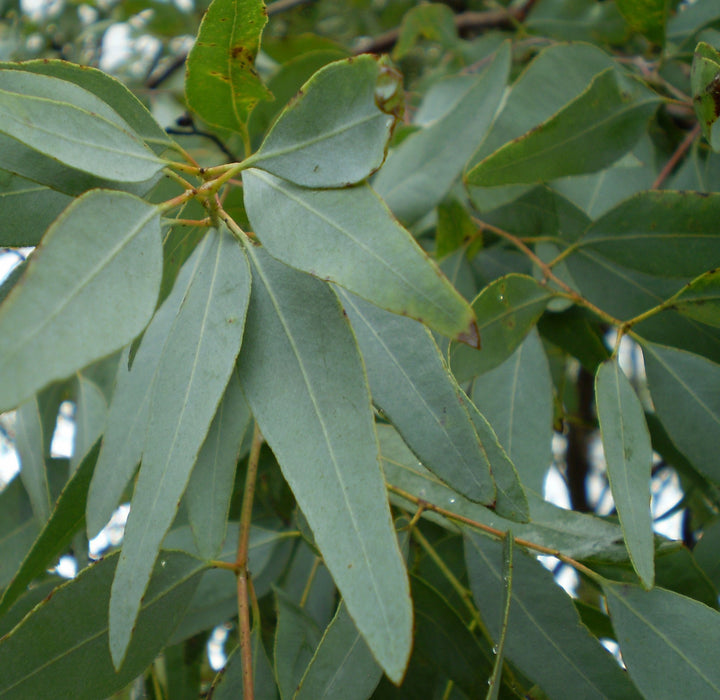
471	336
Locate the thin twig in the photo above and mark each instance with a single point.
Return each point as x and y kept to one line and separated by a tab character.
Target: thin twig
676	156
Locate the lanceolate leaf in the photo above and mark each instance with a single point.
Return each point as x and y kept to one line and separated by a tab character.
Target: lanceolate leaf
342	665
506	310
545	638
684	391
667	626
628	454
335	132
668	234
89	289
222	85
74	136
310	398
412	386
566	144
496	678
419	173
196	366
129	409
211	483
348	236
32	448
700	299
63	643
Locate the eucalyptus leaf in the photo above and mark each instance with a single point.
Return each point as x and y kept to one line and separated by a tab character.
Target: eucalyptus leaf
196	366
104	247
349	237
311	401
700	299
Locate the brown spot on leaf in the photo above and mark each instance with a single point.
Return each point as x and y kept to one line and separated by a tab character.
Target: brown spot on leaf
471	336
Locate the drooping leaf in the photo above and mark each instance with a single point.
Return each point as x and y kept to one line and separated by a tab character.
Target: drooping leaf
296	639
66	519
211	483
629	458
418	174
610	111
660	624
221	84
667	234
648	17
336	131
32	447
64	313
572	533
349	237
90	414
544	638
506	311
700	299
109	90
507	576
312	404
684	391
196	366
410	383
18	529
342	667
705	83
63	643
516	398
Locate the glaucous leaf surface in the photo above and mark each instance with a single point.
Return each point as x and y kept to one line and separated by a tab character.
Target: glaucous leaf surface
222	85
410	383
349	237
63	643
545	638
197	362
342	667
506	311
684	392
90	415
660	624
104	247
418	174
311	401
611	111
335	132
516	398
32	447
18	529
629	460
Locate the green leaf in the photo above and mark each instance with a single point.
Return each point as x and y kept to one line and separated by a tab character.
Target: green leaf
659	624
66	519
90	414
27	209
574	534
349	237
342	667
18	529
336	131
221	84
545	638
506	310
66	131
668	234
211	483
684	391
63	643
411	385
431	21
296	639
110	91
648	17
516	398
31	444
629	458
196	365
705	83
312	404
700	299
610	112
418	174
507	574
64	313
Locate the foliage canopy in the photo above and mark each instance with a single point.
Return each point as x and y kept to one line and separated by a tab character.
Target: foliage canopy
322	311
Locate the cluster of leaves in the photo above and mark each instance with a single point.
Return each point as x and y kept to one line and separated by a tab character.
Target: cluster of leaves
327	375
